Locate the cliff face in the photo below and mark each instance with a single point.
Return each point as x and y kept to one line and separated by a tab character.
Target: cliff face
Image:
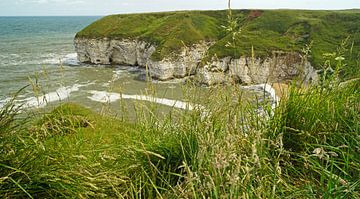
280	66
112	51
198	43
138	53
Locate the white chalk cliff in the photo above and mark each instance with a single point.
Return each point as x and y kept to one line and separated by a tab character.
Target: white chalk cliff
281	66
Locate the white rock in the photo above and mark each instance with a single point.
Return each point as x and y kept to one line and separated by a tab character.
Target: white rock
279	67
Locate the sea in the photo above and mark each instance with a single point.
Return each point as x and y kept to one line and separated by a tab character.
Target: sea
39	65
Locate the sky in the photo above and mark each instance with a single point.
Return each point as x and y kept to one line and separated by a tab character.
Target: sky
106	7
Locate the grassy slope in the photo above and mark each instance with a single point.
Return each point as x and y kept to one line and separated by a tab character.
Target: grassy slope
309	149
286	30
73	152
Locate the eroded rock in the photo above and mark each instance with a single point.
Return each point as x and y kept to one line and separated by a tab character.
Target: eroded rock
280	67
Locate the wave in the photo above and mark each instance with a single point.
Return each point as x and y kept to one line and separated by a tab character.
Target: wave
267	88
69	60
60	94
34	59
108	97
117	74
4	101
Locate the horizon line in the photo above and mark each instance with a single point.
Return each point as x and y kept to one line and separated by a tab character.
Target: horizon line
140	12
52	15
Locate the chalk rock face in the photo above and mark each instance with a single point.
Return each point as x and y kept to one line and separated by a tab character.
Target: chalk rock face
185	64
93	50
111	51
138	53
209	78
144	51
281	66
278	68
122	52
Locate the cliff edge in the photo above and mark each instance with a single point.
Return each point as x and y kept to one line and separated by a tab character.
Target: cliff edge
268	46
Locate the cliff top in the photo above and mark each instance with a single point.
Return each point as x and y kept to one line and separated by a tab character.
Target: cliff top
263	30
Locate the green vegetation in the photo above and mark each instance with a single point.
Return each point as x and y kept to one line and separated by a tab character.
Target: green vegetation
265	30
320	131
309	148
74	152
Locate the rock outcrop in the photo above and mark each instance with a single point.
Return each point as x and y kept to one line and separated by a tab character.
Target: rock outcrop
111	51
281	66
138	53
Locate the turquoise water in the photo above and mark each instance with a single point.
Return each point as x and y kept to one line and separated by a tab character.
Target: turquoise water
32	44
39	52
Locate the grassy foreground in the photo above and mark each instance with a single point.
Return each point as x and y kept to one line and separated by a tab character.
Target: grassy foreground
309	147
263	30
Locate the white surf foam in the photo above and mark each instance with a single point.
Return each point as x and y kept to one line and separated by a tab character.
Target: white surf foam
268	89
108	97
69	59
36	59
104	97
106	84
60	94
117	74
133	69
4	101
52	61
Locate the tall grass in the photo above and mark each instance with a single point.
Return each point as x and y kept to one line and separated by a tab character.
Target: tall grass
320	132
308	147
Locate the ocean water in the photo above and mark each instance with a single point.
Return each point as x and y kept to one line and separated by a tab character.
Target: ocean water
29	45
38	52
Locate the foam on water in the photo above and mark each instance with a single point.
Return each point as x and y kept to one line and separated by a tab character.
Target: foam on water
108	97
60	94
268	89
135	69
69	59
117	74
106	84
46	58
171	81
104	97
4	101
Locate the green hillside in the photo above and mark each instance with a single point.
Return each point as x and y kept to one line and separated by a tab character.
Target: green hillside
265	30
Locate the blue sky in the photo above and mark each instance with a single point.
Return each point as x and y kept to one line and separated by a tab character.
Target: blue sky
105	7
